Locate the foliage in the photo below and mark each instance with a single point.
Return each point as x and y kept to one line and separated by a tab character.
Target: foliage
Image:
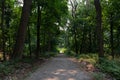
111	67
6	68
98	76
70	53
9	67
63	28
90	57
48	54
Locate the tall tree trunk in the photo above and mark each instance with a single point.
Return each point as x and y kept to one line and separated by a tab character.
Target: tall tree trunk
111	34
99	27
29	40
21	34
38	31
75	38
3	28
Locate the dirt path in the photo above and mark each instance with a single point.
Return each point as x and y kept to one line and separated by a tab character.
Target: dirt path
59	68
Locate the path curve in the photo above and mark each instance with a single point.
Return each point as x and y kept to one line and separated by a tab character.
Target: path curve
59	68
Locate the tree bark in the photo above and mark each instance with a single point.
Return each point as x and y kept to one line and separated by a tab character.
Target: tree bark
111	35
3	28
99	27
38	32
21	34
29	39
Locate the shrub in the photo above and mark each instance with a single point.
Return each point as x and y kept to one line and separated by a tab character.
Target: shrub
70	53
98	76
111	67
48	54
6	68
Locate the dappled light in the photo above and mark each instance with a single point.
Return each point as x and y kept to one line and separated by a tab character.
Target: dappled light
60	68
60	39
62	72
1	55
65	72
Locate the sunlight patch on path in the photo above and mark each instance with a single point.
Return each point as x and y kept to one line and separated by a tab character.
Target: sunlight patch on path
59	68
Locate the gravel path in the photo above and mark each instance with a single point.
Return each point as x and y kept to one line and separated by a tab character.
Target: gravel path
59	68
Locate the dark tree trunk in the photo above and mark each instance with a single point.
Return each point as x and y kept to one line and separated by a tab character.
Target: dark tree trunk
21	34
75	38
38	31
29	40
99	27
8	13
3	28
111	35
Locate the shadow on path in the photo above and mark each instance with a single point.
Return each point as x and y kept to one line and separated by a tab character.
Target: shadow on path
59	68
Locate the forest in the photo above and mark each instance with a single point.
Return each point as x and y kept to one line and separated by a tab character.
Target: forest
34	30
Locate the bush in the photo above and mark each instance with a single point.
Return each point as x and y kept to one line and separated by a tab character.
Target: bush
6	68
90	57
48	54
98	76
111	67
70	53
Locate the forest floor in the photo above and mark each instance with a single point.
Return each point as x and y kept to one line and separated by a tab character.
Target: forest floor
60	68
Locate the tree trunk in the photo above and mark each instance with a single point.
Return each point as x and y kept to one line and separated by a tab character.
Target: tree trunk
38	31
3	28
75	38
21	34
29	40
111	35
99	27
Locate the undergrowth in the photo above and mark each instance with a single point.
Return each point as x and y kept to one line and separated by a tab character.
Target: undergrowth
48	54
8	67
111	67
98	76
107	66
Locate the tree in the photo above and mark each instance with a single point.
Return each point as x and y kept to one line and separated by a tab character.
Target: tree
21	34
3	28
99	27
38	29
74	5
